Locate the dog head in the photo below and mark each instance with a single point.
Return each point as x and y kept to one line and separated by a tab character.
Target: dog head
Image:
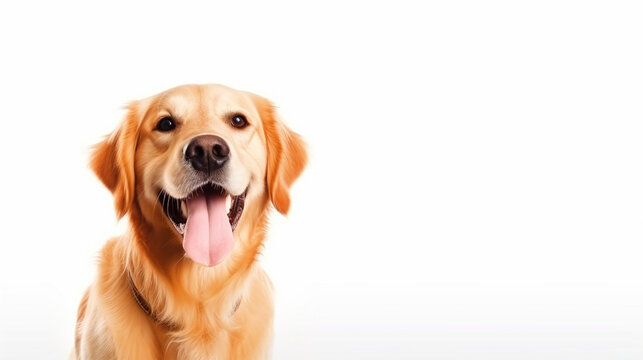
202	162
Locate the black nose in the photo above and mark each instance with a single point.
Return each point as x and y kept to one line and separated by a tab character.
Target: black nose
207	153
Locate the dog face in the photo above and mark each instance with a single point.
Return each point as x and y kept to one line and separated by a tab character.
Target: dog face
195	159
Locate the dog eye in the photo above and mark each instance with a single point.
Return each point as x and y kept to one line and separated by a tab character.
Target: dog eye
239	121
165	124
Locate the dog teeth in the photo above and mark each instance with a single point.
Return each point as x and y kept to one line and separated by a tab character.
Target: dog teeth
184	209
228	203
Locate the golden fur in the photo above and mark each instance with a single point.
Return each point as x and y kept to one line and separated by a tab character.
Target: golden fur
134	163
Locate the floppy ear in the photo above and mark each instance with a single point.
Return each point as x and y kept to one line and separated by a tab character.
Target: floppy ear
287	155
113	161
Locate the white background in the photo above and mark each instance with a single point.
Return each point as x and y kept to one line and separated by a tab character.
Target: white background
474	188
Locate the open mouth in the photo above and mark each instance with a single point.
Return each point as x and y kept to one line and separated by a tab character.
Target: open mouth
177	210
206	219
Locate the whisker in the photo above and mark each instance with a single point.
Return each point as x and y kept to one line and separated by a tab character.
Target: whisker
158	198
166	204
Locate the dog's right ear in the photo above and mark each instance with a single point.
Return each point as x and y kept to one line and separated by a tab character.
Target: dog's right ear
113	161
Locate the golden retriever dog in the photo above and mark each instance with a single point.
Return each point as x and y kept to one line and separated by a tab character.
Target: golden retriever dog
196	169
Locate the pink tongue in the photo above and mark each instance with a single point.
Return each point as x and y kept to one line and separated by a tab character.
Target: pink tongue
208	235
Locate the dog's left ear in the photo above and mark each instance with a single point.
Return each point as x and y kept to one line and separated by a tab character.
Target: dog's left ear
113	161
287	156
